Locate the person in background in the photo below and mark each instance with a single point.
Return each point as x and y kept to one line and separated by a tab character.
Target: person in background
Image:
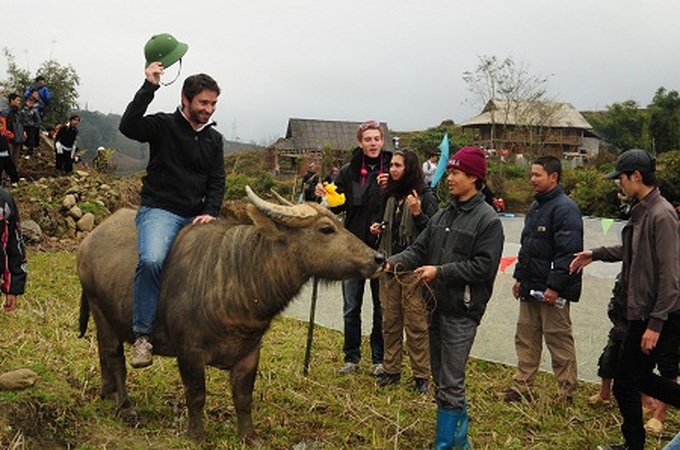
13	255
553	232
40	92
309	182
14	124
65	145
361	180
6	164
409	205
430	166
184	183
30	119
650	278
330	178
456	258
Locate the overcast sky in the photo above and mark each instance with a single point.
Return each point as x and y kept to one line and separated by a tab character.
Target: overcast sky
396	61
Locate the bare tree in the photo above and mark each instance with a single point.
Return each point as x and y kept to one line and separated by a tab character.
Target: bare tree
511	94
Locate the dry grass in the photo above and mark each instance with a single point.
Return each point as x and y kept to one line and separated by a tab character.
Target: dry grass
321	411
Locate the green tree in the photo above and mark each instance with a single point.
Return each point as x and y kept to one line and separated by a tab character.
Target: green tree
664	125
62	81
624	125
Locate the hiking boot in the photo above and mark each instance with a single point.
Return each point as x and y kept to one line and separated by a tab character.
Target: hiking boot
511	396
613	447
386	379
421	385
377	370
348	367
142	352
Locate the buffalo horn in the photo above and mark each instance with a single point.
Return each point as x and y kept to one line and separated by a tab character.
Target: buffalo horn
287	215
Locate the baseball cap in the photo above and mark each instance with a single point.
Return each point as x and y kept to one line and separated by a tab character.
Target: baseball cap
632	160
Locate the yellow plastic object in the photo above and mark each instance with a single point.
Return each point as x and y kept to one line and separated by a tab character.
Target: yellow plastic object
332	196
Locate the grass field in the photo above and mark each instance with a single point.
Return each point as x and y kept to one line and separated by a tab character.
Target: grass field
291	411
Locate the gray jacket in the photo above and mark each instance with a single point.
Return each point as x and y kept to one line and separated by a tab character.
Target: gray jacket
650	255
465	242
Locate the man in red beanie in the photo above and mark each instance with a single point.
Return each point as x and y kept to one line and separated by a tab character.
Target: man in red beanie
552	234
456	258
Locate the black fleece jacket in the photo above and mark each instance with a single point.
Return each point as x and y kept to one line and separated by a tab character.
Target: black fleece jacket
364	198
185	173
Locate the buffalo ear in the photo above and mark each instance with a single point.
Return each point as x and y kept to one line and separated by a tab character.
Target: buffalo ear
266	226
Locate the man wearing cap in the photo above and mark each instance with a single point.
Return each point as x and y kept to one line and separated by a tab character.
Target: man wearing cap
456	258
552	233
184	181
650	278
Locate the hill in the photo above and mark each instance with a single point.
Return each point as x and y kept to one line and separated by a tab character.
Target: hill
98	129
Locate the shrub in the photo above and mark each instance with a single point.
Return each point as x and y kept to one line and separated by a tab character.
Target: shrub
595	195
668	167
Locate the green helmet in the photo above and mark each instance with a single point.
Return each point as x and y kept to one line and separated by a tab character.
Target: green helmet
164	48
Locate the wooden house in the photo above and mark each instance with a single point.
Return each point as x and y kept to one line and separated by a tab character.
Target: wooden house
535	128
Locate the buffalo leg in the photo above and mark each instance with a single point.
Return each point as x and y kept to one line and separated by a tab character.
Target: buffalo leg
242	378
193	377
114	372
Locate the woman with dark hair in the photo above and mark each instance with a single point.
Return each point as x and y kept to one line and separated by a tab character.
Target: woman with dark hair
409	204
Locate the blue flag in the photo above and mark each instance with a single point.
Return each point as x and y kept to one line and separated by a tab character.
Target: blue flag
443	160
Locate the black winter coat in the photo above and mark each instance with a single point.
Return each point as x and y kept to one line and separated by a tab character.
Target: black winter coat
363	204
553	232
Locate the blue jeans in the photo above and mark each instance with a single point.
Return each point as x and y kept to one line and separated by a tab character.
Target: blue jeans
353	296
156	231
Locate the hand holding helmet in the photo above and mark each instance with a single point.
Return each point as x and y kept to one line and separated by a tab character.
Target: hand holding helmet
161	52
153	72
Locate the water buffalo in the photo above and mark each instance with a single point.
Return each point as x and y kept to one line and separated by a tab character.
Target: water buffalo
220	289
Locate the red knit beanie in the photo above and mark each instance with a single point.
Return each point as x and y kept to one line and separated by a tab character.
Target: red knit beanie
470	160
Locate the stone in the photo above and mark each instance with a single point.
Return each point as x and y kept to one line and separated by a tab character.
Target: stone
69	201
17	379
86	223
31	231
75	212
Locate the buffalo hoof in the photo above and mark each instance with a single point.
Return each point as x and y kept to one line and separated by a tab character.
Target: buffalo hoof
253	441
129	414
196	434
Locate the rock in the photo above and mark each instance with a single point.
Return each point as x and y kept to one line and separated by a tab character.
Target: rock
86	223
69	201
17	379
71	225
31	231
75	212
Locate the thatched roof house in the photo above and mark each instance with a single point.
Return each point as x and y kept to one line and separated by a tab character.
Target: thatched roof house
306	140
521	126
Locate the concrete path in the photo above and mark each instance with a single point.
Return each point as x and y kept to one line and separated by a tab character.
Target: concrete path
496	334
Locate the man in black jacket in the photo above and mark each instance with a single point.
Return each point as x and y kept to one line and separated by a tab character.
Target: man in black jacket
184	183
552	234
360	180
